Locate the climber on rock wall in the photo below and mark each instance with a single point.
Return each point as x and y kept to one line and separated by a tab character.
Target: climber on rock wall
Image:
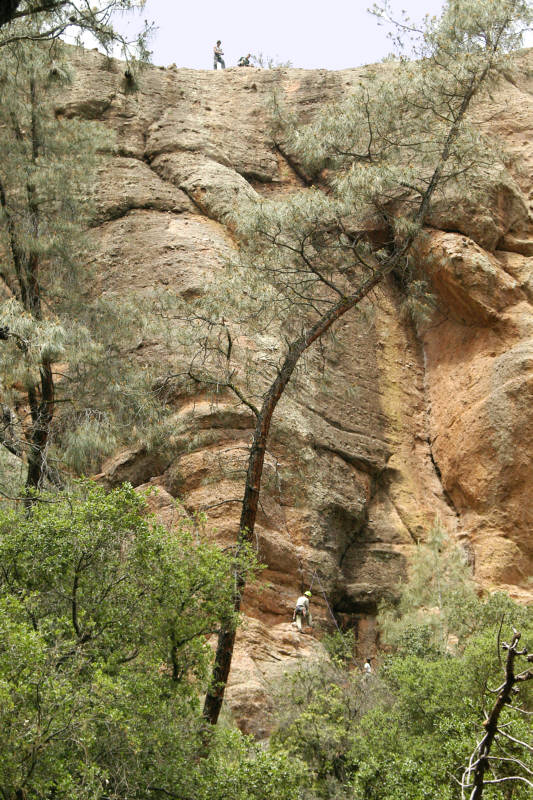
301	611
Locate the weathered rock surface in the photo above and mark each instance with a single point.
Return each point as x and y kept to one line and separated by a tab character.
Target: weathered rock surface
409	426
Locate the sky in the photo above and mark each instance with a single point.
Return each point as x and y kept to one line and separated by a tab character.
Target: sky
311	34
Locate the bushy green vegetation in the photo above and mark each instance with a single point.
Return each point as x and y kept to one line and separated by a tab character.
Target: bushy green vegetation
407	730
103	622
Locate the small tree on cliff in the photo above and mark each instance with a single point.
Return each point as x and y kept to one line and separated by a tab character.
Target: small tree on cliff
46	174
383	155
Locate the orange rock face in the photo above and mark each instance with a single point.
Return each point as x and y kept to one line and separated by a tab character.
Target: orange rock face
407	426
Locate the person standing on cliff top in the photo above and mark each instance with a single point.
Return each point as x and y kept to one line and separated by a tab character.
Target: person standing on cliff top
301	612
217	56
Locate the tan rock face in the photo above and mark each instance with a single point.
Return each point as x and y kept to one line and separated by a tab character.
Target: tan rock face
407	426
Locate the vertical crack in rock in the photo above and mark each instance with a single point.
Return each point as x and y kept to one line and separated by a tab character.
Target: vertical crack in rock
366	462
356	533
445	493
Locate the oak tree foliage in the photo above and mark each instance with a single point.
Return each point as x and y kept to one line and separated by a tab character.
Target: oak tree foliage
434	713
104	622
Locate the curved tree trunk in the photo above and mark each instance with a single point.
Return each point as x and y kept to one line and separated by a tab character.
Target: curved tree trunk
226	638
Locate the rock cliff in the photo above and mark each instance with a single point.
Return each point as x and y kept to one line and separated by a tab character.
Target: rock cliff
408	426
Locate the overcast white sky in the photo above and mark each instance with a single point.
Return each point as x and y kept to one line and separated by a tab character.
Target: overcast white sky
331	34
312	34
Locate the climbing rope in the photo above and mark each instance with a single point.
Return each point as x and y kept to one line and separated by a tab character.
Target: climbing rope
322	590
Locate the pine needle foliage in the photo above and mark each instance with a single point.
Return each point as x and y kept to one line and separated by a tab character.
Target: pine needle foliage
440	607
383	156
437	602
47	20
61	352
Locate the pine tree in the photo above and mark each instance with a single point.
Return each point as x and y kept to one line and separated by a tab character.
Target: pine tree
384	154
438	606
60	350
42	20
